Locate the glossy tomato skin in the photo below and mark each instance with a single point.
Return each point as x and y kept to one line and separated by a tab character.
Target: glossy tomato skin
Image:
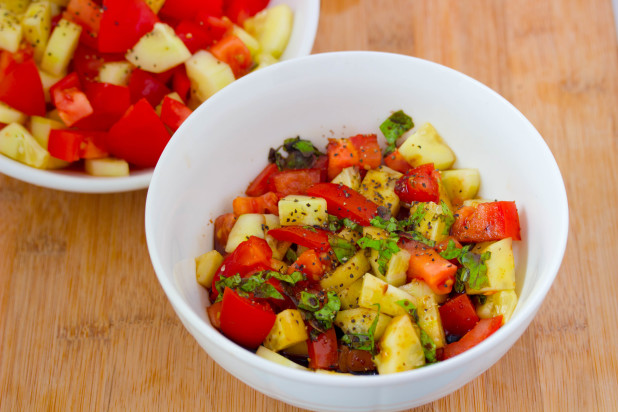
323	352
261	183
458	315
343	202
173	113
139	136
144	85
308	263
21	86
486	222
188	9
420	184
245	321
483	329
240	10
109	103
368	149
316	239
123	23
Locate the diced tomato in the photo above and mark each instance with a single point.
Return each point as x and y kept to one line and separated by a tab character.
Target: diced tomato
483	329
458	315
252	255
235	53
193	35
21	86
64	144
87	62
343	202
321	164
109	102
312	238
308	263
486	222
293	182
223	226
72	105
396	161
214	314
240	10
341	154
72	145
181	83
139	136
260	184
420	184
144	85
173	113
71	102
369	153
323	352
426	264
214	26
87	14
123	23
188	9
244	321
267	203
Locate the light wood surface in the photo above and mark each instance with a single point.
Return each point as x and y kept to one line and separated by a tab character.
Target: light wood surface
84	325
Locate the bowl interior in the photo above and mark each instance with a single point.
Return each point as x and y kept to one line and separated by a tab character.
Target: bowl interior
224	144
306	16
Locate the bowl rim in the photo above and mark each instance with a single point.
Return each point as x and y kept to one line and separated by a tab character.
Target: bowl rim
515	327
78	181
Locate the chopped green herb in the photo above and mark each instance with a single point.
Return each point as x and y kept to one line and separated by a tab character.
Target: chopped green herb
290	256
334	224
409	307
327	314
343	249
448	217
230	282
414	235
394	127
418	215
386	248
429	347
292	278
308	301
474	270
390	225
451	251
364	341
350	224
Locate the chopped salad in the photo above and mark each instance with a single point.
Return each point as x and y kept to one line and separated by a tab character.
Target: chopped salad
102	85
362	259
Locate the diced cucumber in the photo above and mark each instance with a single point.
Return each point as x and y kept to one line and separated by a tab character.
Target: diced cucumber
208	75
10	31
159	50
426	146
36	25
298	210
17	143
61	47
108	166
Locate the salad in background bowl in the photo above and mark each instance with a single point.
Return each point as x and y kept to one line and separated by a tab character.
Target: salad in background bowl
212	157
91	92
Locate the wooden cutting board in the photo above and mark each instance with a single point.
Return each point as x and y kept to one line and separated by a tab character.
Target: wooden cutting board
84	324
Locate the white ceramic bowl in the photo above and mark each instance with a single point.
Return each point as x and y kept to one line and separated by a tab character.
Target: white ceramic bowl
306	16
224	144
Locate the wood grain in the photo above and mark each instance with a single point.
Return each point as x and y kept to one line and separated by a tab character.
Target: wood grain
84	324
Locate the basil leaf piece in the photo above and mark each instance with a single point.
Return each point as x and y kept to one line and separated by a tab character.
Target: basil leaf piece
394	127
429	347
230	282
451	251
448	217
327	314
385	247
290	256
409	307
350	224
308	301
343	249
364	341
292	278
